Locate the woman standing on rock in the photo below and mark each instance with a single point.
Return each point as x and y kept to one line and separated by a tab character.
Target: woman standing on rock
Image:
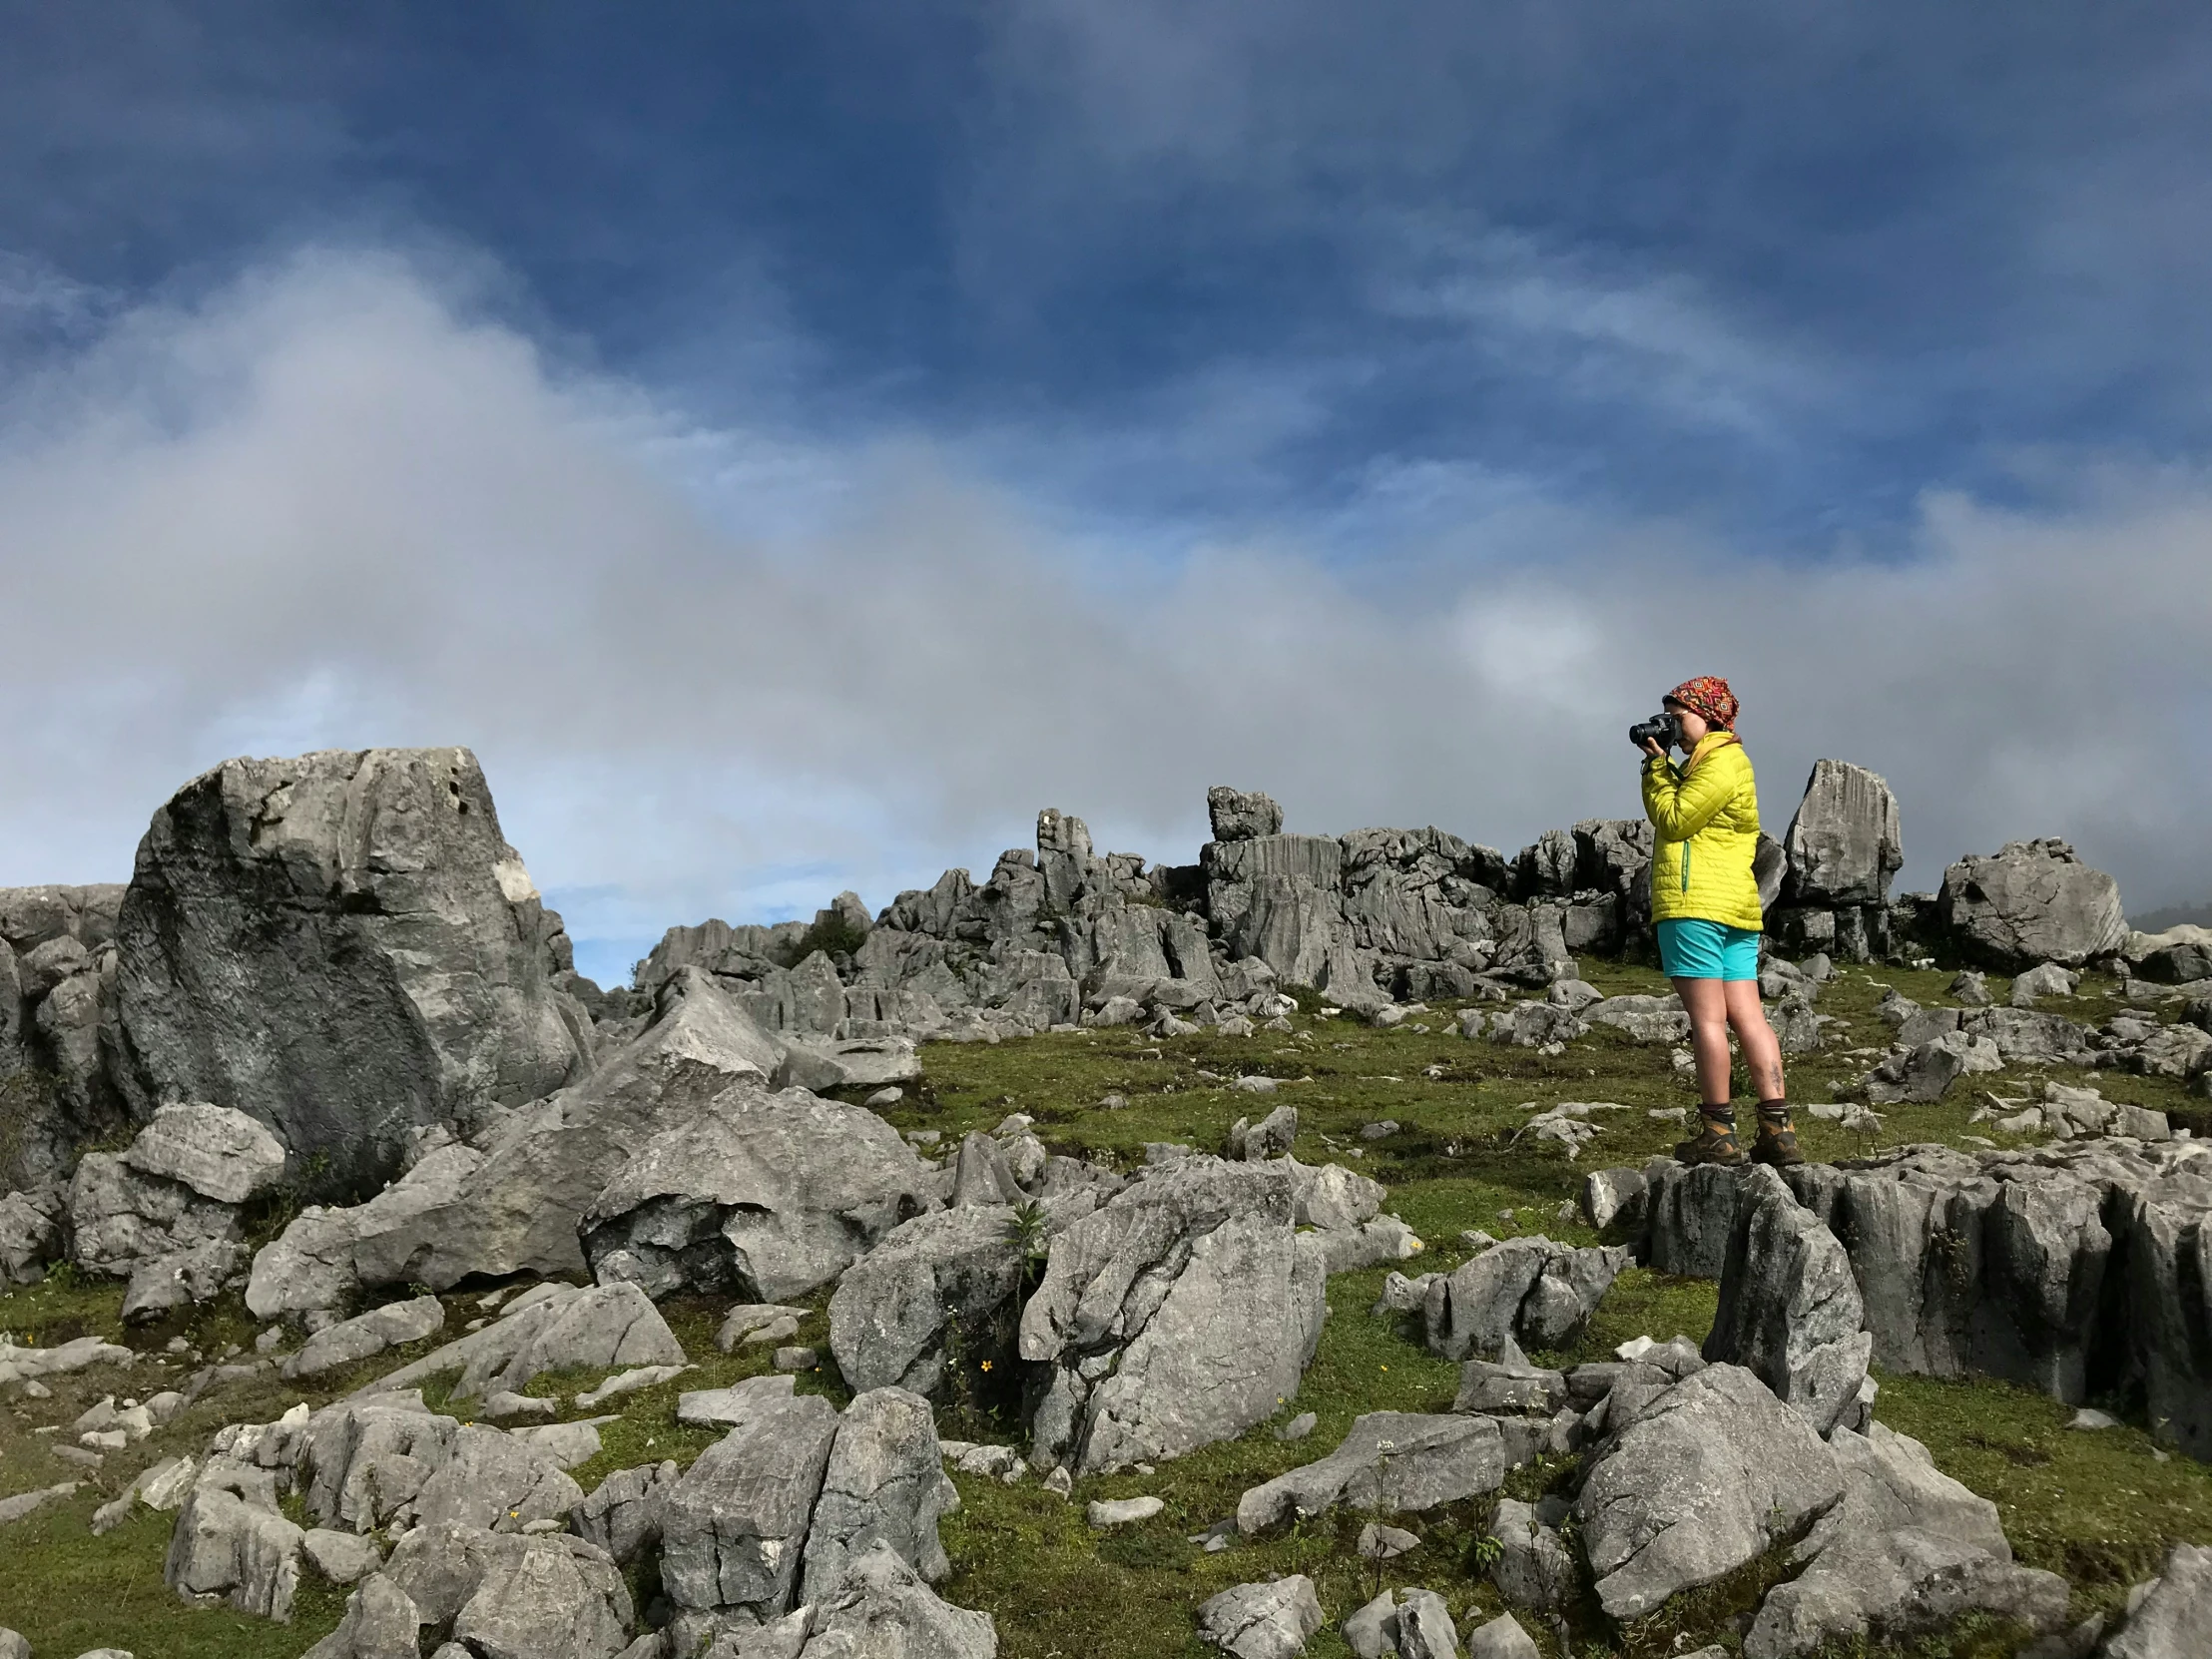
1705	902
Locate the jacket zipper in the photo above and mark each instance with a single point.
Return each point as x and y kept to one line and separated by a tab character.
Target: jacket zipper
1685	867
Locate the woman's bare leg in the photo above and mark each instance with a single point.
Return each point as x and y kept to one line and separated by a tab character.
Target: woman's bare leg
1707	1002
1762	1050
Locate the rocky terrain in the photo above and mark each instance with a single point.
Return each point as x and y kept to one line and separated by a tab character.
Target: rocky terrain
1275	1254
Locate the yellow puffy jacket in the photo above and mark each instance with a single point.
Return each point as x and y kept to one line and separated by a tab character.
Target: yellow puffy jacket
1706	814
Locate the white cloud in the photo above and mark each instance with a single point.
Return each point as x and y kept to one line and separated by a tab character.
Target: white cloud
734	671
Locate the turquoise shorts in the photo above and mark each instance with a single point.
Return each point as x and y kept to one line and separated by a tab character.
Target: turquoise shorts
1694	949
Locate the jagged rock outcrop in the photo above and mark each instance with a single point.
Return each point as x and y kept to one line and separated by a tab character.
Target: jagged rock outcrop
1181	1311
733	1528
2030	902
2171	1616
552	1328
1531	1292
1843	846
762	1196
2078	1268
57	988
343	946
1391	1462
1711	1473
1790	1309
513	1204
165	1212
1907	1549
885	1486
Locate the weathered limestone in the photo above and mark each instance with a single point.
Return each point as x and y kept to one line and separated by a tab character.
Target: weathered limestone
343	946
1181	1311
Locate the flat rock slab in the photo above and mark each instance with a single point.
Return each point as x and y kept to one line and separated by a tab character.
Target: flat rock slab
1262	1621
1110	1513
563	1328
1711	1474
1396	1462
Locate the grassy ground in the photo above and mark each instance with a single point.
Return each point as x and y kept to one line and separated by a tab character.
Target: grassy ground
2101	1508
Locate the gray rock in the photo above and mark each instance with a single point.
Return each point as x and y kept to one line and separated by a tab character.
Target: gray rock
498	1482
1106	1513
1372	1632
882	1606
118	1218
2047	979
884	1485
1509	1390
747	1320
734	1529
231	1543
509	1596
1385	1543
1238	817
1534	1569
366	1334
599	1328
1298	1427
1610	1195
735	1404
381	1622
341	1558
1504	1638
940	1277
1790	1309
1425	1627
1527	1289
2178	956
365	904
216	1151
1643	1019
27	1504
178	1278
1181	1311
1844	843
1262	1621
1710	1475
1692	1211
623	1515
2173	1617
514	1207
2030	902
1394	1462
30	1233
1270	1137
1970	988
766	1195
1908	1549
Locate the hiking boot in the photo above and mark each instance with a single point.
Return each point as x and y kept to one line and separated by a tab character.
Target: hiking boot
1777	1143
1715	1144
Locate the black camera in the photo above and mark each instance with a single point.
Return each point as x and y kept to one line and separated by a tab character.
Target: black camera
1663	729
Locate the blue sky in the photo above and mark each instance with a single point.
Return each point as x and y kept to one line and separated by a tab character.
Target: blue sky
792	443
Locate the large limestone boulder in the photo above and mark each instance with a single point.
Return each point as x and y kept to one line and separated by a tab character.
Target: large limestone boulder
558	1327
1531	1292
1998	1265
762	1196
2030	902
1392	1462
1710	1475
734	1529
1845	843
1238	817
1182	1311
343	946
506	1596
513	1205
1909	1548
1790	1309
231	1543
885	1486
2171	1616
944	1280
880	1605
